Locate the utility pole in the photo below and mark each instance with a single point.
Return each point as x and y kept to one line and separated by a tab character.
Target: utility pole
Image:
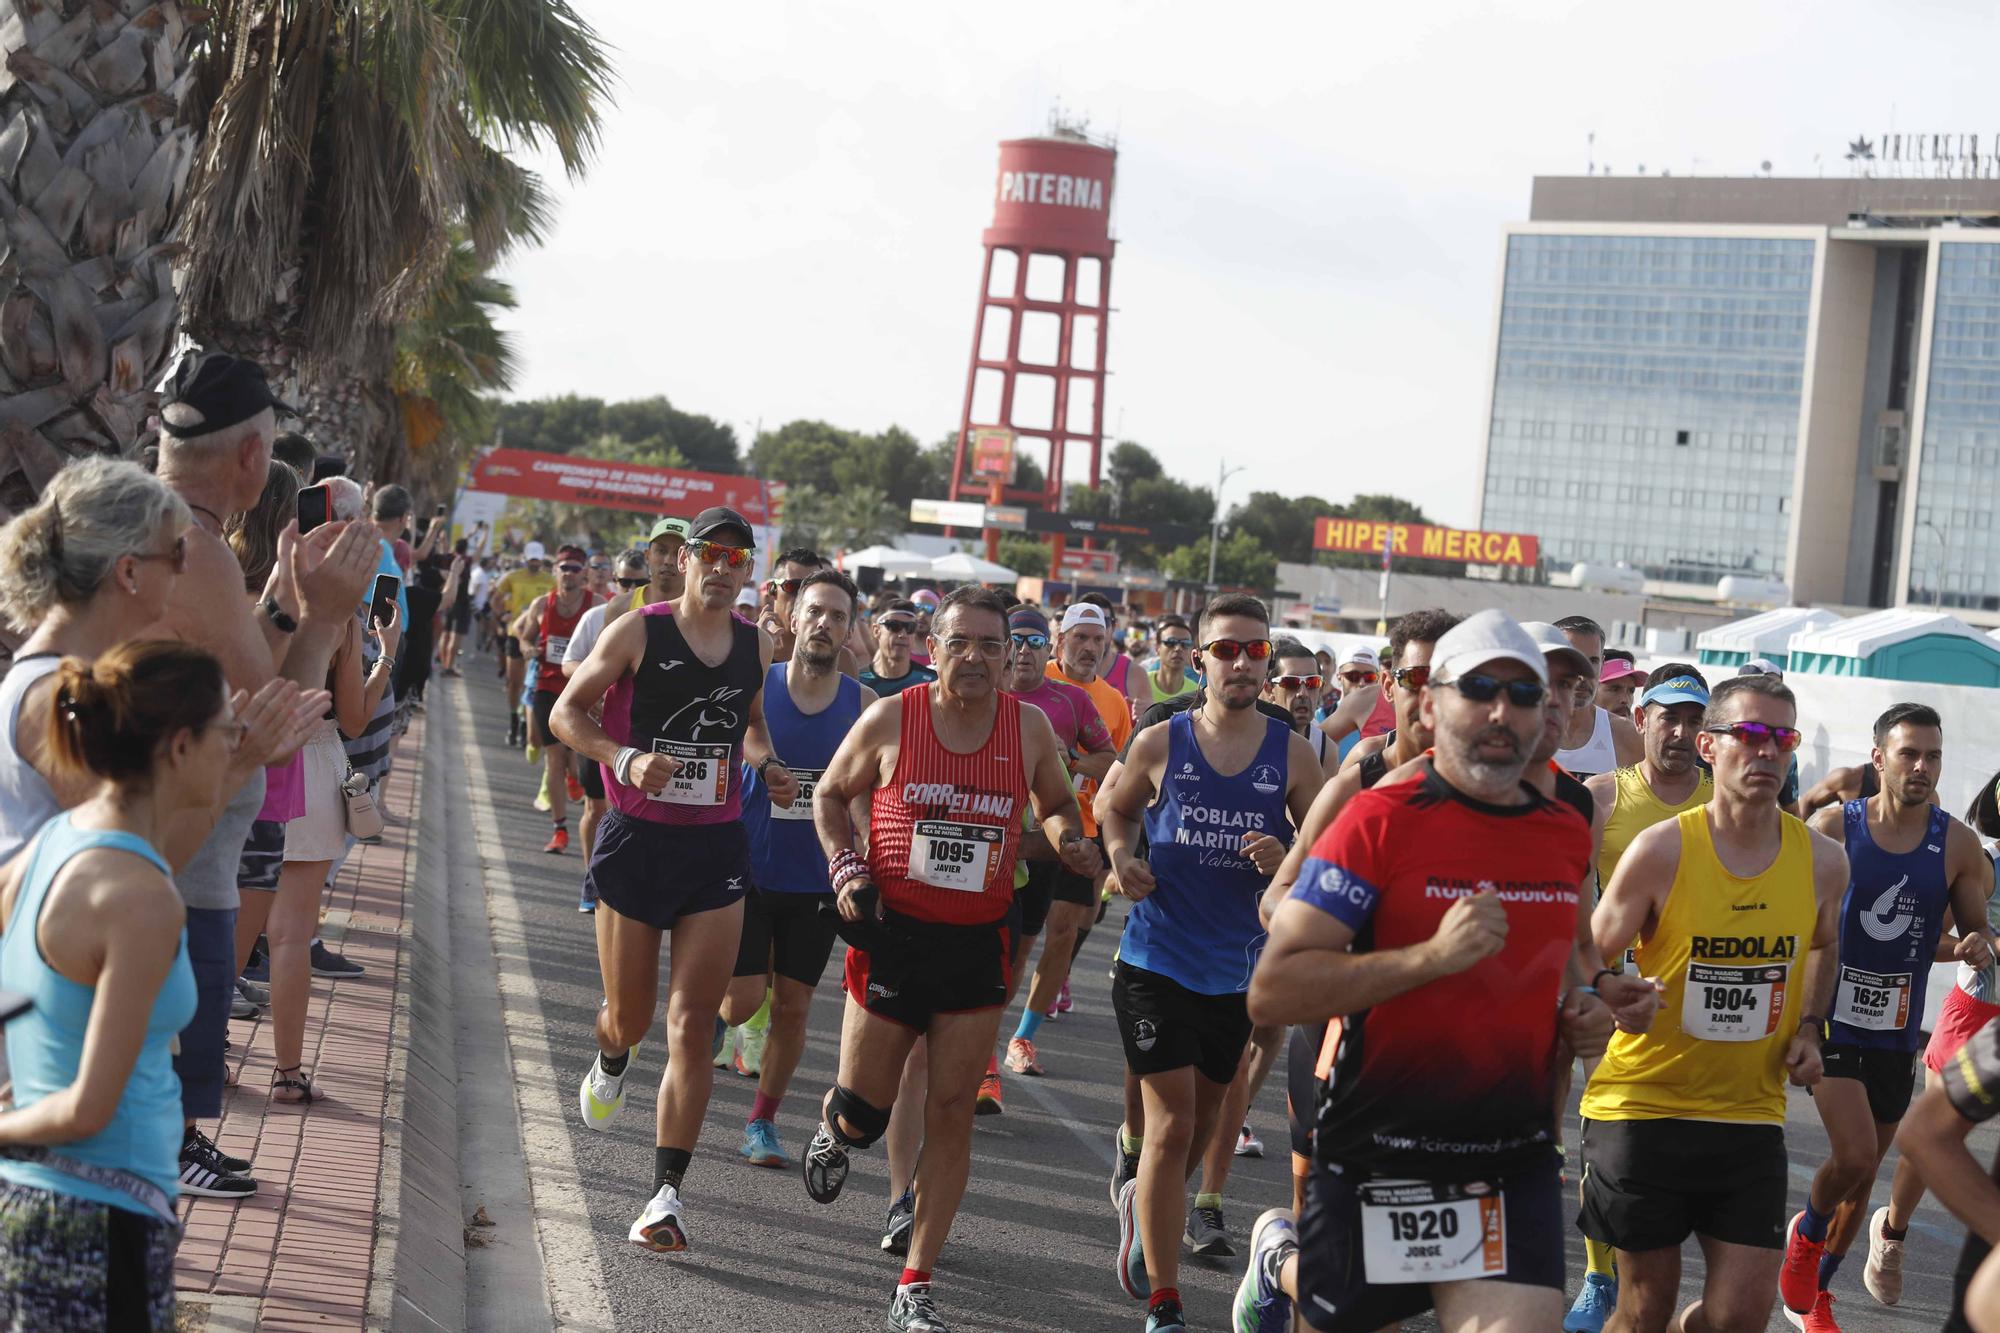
1222	474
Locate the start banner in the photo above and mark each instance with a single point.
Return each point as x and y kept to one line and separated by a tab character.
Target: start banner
1421	541
575	479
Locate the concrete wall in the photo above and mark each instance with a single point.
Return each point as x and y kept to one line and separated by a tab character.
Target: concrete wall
1830	429
1751	200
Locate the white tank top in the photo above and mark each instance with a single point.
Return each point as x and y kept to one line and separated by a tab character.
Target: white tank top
26	800
1594	756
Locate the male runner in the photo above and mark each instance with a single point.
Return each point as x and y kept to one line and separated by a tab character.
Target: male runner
1858	782
667	577
1116	667
810	707
1598	742
890	671
948	768
788	575
510	596
1965	1095
1174	639
1735	907
629	580
1208	785
1908	861
682	686
547	624
1618	682
1435	1178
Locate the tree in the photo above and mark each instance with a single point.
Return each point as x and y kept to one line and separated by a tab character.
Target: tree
1281	524
1241	562
568	424
447	360
859	516
1024	554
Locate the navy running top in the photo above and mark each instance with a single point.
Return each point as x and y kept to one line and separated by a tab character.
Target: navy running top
785	855
1890	920
1199	926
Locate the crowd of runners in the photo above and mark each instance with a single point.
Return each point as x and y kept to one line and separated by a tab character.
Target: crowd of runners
1608	873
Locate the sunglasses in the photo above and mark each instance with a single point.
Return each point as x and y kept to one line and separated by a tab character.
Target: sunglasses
176	555
1756	733
715	553
1485	689
570	569
1358	677
1176	643
1413	677
632	583
598	566
1228	650
1037	642
898	626
1297	682
789	587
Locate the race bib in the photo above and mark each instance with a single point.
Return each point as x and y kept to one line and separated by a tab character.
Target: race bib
1417	1231
558	645
1874	1001
952	856
802	804
703	778
1732	1003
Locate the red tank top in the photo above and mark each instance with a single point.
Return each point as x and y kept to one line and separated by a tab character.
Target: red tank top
944	832
556	629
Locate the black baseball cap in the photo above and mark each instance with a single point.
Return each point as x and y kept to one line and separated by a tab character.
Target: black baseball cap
222	390
713	520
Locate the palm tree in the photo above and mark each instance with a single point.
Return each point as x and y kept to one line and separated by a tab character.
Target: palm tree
860	516
446	360
94	157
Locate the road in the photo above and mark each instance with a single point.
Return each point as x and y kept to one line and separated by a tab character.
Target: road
1034	1243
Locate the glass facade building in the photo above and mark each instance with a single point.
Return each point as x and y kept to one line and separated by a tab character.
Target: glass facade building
1646	400
1954	547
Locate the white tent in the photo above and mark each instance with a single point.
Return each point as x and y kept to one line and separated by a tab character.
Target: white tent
893	563
963	567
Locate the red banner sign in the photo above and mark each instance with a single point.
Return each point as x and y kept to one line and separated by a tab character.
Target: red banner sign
575	479
1420	541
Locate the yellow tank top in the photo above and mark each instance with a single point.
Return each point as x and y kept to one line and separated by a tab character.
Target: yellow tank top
1636	810
1731	952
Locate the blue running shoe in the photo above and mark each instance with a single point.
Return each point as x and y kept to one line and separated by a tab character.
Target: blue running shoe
761	1146
1594	1304
1166	1317
1131	1259
1261	1305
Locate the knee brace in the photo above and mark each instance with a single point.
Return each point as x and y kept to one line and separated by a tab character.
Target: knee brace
869	1120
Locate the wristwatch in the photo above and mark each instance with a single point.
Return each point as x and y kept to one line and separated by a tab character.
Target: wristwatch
274	613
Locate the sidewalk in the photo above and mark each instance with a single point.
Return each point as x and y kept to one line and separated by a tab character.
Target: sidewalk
299	1254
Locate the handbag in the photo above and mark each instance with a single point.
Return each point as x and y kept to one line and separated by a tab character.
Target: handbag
364	820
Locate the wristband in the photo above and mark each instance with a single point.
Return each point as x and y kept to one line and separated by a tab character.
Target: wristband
853	873
621	765
1812	1023
765	763
842	863
281	622
1599	975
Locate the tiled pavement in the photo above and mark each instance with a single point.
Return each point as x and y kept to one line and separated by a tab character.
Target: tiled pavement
298	1254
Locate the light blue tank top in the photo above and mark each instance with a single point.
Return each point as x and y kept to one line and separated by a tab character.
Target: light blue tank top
45	1045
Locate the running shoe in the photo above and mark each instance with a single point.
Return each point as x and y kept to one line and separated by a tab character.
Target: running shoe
1131	1258
1594	1304
988	1102
1063	1003
1798	1280
1206	1234
1261	1304
211	1173
602	1095
1883	1273
573	789
327	963
825	1165
750	1049
251	991
242	1006
1819	1319
259	967
662	1228
558	842
913	1311
1127	1167
902	1220
587	905
1247	1143
761	1146
1166	1317
718	1051
1021	1057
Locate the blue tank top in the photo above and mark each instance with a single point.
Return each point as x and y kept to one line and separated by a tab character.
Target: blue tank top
1890	919
785	855
45	1045
1200	927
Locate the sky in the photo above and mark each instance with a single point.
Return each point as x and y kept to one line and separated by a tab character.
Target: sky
784	217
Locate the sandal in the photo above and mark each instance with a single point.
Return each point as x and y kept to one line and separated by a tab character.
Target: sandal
294	1087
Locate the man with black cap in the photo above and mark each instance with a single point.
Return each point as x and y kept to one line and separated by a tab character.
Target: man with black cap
546	627
682	686
218	417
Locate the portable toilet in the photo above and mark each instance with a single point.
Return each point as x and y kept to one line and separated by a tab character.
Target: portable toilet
1900	644
1768	634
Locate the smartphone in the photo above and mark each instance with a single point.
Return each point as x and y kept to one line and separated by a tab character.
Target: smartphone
383	604
440	512
315	507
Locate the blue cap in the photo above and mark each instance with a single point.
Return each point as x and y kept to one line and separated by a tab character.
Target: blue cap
1678	690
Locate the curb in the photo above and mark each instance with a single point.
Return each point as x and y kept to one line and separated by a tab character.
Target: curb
418	1269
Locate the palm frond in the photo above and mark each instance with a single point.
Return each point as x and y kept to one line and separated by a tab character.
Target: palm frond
535	72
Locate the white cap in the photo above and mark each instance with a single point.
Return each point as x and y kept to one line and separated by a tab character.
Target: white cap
534	551
746	597
1552	640
1361	654
1761	666
1490	636
1083	613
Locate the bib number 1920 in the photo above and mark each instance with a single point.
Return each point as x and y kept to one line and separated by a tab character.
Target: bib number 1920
1422	1231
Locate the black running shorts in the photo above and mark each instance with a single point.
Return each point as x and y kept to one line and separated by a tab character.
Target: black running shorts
1033	898
510	647
545	704
656	874
590	774
1890	1077
1335	1295
785	933
1066	886
1166	1026
1649	1184
914	970
1302	1084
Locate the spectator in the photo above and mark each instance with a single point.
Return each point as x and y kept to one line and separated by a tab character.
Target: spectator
296	452
87	1229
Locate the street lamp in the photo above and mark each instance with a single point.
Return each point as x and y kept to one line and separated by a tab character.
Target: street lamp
1937	569
1222	474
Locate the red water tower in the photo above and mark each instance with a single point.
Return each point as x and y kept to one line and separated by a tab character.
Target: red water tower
1044	301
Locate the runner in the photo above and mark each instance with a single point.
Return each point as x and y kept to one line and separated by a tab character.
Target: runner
667	576
1909	862
810	707
1174	638
630	578
949	768
1434	1152
546	625
1735	906
1117	668
1215	789
788	575
1838	787
1597	742
684	680
1618	682
511	595
890	671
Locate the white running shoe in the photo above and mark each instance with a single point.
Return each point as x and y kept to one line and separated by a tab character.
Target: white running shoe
602	1095
661	1227
1883	1273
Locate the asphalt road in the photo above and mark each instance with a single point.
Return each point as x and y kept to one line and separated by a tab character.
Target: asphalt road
1035	1239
